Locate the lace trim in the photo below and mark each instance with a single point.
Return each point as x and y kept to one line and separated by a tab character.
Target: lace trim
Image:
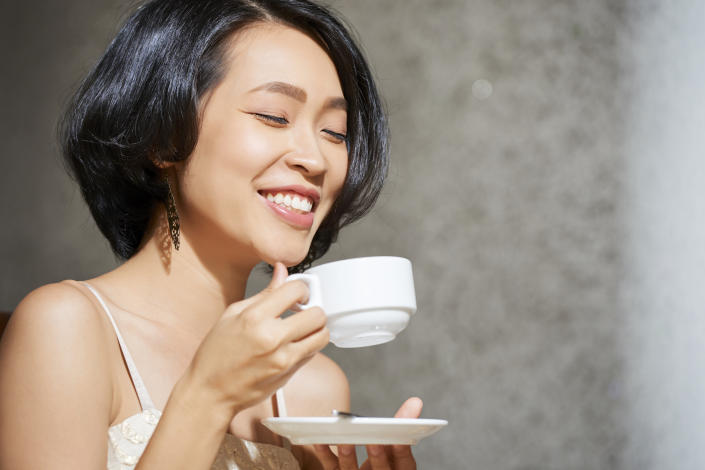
128	439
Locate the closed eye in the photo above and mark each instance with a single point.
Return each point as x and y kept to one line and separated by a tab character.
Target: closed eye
277	121
340	138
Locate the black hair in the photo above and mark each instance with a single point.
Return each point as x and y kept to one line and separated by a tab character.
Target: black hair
139	106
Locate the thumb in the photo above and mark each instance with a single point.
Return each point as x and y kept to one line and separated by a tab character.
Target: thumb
403	458
411	408
279	276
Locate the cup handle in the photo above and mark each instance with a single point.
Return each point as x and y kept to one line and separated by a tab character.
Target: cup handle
314	290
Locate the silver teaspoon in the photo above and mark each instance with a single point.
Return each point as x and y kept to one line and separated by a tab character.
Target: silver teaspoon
346	414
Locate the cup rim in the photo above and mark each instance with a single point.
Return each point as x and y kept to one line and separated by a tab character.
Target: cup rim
360	258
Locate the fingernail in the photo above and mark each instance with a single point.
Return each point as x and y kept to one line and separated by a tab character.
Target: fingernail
345	450
375	450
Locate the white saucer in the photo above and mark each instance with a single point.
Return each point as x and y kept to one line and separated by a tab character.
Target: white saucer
344	430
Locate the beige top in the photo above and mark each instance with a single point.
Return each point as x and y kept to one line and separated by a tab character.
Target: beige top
127	439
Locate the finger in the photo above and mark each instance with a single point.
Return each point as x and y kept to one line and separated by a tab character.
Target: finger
377	457
303	355
402	456
300	357
326	456
347	459
279	275
304	323
411	408
312	343
279	300
280	380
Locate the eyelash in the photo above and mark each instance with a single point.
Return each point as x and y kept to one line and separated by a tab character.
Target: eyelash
273	119
280	121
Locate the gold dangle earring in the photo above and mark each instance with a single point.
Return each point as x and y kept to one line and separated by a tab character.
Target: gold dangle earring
172	217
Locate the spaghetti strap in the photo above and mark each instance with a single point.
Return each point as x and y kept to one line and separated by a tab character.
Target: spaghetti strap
142	394
281	404
282	413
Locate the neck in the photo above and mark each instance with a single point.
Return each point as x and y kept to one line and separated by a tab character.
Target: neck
187	289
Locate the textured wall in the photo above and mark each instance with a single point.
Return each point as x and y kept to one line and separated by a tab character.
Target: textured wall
512	131
47	233
663	296
507	207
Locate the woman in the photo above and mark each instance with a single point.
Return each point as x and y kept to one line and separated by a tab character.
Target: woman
211	136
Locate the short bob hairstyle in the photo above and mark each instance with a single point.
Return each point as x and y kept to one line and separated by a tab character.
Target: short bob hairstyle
139	107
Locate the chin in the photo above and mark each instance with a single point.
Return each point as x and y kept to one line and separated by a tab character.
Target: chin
287	248
290	257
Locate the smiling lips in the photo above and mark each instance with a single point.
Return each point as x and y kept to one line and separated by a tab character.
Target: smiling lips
295	206
298	203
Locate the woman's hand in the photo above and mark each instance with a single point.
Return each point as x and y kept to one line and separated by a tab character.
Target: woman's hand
394	457
251	351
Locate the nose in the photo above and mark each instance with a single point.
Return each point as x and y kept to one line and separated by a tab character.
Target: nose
306	156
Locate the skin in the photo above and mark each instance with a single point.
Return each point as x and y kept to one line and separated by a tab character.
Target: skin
210	359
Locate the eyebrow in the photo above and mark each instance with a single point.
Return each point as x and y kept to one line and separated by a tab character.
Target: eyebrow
299	94
336	103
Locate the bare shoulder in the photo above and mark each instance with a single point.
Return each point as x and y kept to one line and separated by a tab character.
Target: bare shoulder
54	323
318	388
54	375
54	312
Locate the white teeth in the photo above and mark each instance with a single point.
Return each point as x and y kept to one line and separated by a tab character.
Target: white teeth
302	204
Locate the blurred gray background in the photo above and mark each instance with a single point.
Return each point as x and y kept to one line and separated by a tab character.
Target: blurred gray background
548	183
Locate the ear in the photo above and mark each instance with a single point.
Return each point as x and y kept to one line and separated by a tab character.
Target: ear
161	164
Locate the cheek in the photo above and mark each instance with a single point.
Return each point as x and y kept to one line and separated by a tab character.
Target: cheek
339	173
219	172
254	143
335	179
225	163
240	149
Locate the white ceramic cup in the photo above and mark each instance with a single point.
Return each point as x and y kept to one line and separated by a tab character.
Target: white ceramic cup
367	301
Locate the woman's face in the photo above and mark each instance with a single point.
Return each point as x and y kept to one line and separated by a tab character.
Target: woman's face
271	156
